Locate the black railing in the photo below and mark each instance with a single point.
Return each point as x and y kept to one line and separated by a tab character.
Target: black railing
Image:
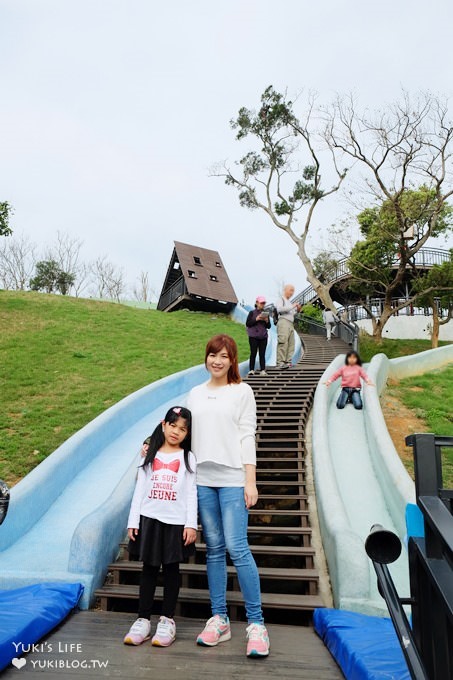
431	558
348	332
376	305
428	644
425	257
176	290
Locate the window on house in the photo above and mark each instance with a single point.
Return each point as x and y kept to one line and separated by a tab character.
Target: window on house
218	264
197	261
213	277
192	274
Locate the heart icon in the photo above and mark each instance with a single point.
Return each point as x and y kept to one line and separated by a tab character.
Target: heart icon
19	663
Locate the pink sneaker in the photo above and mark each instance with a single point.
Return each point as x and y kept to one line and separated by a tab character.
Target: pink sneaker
138	633
165	633
216	630
257	640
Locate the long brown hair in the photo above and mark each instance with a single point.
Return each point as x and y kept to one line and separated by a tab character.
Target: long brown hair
219	342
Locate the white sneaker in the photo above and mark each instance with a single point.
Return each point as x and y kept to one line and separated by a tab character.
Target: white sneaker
139	632
251	373
263	373
165	633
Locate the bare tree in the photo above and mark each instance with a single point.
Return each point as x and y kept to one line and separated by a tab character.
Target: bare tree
17	262
285	147
66	251
108	279
405	153
142	290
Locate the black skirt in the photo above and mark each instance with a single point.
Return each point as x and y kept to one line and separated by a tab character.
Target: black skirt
158	543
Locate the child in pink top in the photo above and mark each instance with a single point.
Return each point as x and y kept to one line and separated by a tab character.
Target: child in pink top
350	373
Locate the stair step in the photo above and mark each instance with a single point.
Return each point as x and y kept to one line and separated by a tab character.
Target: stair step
270	600
296	550
279	512
273	529
200	569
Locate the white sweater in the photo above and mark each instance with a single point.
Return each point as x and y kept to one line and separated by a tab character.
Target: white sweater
223	424
166	491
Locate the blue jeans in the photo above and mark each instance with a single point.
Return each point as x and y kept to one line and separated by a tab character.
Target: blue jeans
224	519
347	395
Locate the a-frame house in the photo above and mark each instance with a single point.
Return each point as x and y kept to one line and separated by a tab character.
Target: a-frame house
197	280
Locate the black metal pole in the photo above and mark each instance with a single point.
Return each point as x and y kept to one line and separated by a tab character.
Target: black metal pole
400	622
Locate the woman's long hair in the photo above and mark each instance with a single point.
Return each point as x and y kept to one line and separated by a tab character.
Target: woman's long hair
353	354
157	439
219	342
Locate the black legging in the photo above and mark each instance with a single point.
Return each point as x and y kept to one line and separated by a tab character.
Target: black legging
258	345
148	582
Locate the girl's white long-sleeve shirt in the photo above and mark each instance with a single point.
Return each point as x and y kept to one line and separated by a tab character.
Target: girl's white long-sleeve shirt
223	430
166	491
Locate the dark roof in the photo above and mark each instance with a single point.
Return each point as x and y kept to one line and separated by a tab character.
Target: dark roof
209	278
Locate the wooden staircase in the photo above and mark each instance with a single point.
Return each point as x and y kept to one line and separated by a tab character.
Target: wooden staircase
279	526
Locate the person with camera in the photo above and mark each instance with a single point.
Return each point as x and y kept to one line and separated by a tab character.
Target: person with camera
258	324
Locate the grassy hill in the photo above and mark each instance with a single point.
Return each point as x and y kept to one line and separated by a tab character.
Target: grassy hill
64	360
422	403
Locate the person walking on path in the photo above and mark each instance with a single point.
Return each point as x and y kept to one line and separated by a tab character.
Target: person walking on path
330	321
258	323
350	373
223	441
287	310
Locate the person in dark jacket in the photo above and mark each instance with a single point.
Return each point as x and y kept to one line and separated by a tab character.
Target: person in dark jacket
258	323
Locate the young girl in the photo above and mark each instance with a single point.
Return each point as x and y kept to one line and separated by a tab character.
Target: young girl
224	423
163	518
350	374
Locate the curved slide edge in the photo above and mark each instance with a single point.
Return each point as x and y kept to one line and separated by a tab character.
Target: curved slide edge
83	549
360	480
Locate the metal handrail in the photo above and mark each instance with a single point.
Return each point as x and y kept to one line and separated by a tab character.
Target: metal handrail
348	332
425	257
358	312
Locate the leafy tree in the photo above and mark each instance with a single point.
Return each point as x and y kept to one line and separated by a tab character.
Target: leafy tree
5	214
324	264
375	262
406	144
281	173
437	293
50	278
313	312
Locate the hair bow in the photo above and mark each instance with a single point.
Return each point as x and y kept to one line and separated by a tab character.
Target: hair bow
177	410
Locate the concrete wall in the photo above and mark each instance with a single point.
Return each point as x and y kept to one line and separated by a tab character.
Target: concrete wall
409	328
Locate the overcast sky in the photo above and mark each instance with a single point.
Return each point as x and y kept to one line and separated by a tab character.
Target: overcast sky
112	112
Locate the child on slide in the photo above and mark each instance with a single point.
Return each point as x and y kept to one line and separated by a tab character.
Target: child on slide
163	520
350	373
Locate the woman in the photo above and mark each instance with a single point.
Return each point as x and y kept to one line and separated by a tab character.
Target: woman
223	441
258	324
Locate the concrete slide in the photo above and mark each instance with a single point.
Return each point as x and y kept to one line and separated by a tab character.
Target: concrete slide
360	480
68	515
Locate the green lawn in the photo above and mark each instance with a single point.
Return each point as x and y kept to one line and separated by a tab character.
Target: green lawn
430	396
64	360
392	348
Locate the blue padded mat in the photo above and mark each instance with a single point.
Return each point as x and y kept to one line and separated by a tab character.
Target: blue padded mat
365	647
27	614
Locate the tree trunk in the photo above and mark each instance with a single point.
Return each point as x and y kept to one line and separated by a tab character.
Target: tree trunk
435	330
322	290
378	327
